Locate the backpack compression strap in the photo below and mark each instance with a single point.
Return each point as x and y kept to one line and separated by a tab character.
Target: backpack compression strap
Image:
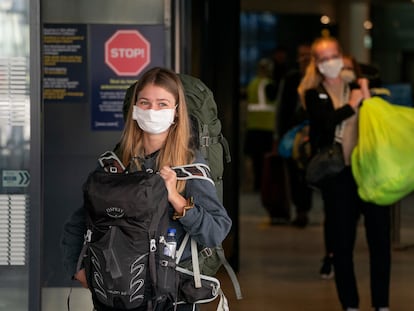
193	171
196	269
206	140
230	271
194	258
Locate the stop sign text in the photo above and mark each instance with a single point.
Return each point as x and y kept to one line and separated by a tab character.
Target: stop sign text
127	52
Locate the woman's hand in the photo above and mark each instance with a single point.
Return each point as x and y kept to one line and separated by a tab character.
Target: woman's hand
364	86
358	95
355	98
170	178
81	277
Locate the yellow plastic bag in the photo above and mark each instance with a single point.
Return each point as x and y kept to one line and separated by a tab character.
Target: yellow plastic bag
383	160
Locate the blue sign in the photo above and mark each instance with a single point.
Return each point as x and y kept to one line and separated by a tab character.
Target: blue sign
108	84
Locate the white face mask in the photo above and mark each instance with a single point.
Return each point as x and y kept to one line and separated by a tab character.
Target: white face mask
347	75
331	68
153	121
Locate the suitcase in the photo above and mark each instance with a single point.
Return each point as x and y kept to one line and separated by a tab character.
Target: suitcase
274	188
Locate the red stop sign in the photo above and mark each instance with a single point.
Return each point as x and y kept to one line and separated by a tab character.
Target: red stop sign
127	52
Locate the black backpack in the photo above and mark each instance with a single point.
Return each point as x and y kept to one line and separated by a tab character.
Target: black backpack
122	240
127	222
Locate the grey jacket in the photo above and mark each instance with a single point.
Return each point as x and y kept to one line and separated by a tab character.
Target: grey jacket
207	223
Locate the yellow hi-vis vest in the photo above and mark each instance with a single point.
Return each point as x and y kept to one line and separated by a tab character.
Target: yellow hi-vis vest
261	113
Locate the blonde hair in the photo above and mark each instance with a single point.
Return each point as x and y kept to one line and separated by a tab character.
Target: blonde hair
176	150
313	77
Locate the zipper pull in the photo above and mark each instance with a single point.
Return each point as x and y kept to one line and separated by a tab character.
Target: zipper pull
153	245
88	235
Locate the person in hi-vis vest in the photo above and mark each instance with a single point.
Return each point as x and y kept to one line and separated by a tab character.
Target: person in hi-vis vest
260	119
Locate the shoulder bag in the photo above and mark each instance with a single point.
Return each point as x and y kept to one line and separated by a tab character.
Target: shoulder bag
324	165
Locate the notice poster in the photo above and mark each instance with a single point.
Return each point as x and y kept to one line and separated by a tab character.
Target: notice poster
64	63
119	54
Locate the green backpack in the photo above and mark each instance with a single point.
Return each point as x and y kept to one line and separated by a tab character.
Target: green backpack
206	127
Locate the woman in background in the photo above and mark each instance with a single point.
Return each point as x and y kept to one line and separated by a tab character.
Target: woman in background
332	107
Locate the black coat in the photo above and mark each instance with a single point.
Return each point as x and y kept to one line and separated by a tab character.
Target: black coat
323	117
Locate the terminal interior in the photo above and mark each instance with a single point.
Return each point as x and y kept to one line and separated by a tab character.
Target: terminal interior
48	145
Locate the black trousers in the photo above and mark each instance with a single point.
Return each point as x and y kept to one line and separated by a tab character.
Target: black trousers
343	209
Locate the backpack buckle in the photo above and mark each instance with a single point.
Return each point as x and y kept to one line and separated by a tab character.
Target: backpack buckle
204	136
204	141
113	169
111	163
206	252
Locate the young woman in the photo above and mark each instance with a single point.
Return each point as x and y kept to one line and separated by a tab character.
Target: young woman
156	137
332	107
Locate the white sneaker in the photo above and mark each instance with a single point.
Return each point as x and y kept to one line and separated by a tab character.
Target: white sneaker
382	309
352	309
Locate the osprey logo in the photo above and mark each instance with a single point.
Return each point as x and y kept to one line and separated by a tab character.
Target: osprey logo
115	212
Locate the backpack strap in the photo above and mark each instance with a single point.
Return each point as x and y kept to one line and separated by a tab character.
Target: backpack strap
223	303
110	162
110	257
230	271
196	268
194	258
193	171
180	250
223	141
153	244
202	171
87	238
206	140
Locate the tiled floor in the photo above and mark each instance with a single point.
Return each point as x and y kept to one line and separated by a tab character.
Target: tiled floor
279	265
279	268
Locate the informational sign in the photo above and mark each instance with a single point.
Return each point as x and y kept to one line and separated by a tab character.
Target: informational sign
15	178
64	60
119	55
